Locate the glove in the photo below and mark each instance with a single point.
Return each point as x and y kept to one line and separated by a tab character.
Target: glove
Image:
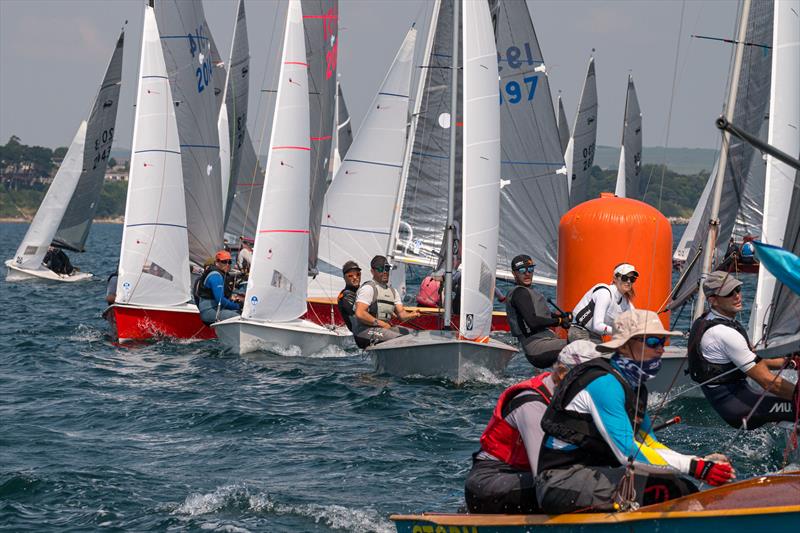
563	322
712	473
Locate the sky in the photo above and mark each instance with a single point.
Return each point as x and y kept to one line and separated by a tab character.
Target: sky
53	54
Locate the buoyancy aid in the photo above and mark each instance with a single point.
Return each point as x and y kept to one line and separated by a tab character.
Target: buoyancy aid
346	302
383	298
579	428
701	369
518	326
584	311
202	292
428	295
502	440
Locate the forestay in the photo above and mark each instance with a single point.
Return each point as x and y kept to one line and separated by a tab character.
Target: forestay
580	150
278	276
774	319
360	201
154	258
321	22
187	52
45	223
481	171
74	228
534	192
563	126
749	111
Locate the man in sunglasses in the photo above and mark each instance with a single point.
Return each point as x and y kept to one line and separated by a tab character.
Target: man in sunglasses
597	428
376	304
346	301
721	359
213	295
530	319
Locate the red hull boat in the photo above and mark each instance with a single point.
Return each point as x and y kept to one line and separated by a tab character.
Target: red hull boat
131	323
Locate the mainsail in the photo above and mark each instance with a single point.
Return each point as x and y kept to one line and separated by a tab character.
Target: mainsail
579	156
751	104
629	184
534	193
154	255
344	130
775	317
321	22
369	176
278	282
40	233
563	126
188	56
74	228
481	165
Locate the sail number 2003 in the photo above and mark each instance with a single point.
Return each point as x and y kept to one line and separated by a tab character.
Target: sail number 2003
205	71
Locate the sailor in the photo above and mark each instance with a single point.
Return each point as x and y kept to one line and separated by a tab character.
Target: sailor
111	287
376	304
529	318
56	260
503	471
346	301
213	294
599	440
748	250
596	311
721	358
245	256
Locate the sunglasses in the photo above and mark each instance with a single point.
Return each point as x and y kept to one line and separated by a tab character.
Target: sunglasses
528	269
627	278
384	268
226	262
735	291
653	341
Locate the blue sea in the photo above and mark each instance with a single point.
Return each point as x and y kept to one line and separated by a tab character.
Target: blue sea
181	436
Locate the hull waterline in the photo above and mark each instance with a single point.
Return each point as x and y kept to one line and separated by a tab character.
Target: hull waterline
134	323
242	336
22	274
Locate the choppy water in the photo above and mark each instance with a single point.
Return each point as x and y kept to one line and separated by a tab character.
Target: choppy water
182	436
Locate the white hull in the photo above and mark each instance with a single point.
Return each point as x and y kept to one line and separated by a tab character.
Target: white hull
21	274
673	363
440	354
241	336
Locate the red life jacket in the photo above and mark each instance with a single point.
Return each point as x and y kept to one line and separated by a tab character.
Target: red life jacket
499	438
428	295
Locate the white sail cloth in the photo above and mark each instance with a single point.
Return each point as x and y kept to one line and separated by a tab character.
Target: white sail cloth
360	201
45	223
481	171
154	258
278	281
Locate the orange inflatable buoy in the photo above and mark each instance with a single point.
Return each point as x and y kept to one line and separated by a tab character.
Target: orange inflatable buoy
596	236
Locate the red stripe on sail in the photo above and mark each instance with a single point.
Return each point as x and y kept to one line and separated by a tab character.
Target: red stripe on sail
295	63
325	138
291	148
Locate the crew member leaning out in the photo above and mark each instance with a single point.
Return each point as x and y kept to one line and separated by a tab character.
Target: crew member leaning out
503	471
214	299
597	422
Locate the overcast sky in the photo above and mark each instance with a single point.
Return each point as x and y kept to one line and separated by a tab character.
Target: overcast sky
53	54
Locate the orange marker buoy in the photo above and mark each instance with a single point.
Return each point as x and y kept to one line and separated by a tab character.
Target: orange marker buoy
595	236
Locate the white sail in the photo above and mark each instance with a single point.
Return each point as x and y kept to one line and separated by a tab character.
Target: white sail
47	219
630	154
278	276
154	259
224	156
563	126
369	176
481	171
579	156
784	134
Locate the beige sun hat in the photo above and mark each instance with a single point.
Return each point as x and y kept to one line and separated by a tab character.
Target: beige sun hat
631	324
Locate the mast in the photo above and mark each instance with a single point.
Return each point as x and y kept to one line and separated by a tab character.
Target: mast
401	187
713	222
451	186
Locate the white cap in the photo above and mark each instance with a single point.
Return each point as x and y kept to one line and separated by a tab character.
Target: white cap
625	268
578	352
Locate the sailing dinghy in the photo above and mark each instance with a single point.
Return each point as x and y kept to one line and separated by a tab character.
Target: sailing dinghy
65	216
277	288
153	290
455	355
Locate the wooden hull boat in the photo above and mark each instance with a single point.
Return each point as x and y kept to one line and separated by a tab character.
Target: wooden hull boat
766	503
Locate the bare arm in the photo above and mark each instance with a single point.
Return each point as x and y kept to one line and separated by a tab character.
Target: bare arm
363	316
404	315
770	382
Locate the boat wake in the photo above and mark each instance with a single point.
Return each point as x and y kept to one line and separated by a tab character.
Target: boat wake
86	333
238	497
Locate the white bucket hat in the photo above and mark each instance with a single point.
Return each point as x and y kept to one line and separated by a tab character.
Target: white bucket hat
634	323
578	352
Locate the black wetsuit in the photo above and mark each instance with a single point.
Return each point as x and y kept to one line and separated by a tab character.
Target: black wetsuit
346	302
57	261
